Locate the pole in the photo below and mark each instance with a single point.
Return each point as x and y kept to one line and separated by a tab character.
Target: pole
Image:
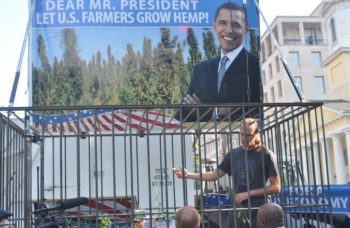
18	71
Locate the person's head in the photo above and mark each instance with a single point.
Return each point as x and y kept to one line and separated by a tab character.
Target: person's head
5	223
187	217
230	25
270	215
4	219
250	134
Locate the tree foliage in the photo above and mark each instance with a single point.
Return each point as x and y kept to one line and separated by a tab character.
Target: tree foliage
210	48
157	74
194	52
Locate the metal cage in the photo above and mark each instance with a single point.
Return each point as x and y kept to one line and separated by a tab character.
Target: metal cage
120	158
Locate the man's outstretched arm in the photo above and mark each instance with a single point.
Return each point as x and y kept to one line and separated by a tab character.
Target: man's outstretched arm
206	176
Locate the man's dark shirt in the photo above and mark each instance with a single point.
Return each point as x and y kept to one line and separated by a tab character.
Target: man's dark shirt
261	165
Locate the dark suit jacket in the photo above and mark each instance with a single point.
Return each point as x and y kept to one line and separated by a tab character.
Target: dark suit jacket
239	85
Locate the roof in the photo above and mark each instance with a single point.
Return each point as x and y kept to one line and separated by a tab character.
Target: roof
338	105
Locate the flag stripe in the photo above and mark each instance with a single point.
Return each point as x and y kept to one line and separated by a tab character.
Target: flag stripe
92	124
117	126
105	127
154	122
70	128
135	126
84	125
54	127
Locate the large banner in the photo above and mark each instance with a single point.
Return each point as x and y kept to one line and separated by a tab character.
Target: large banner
107	52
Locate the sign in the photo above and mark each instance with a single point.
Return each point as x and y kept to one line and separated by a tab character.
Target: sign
123	13
111	52
319	198
302	199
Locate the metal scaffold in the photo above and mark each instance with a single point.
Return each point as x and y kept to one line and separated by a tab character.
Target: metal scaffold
85	166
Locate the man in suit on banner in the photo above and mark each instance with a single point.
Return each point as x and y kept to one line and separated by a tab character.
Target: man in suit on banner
232	77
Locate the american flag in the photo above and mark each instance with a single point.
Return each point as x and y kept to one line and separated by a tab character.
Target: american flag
118	207
103	120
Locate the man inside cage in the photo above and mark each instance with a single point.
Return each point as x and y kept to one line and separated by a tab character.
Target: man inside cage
232	77
254	172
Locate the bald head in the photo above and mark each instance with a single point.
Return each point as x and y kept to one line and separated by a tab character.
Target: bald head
4	218
270	215
187	217
5	223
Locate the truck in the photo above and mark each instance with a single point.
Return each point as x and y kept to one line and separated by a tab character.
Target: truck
121	160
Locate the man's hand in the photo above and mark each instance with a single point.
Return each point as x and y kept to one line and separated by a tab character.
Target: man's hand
191	99
180	172
241	197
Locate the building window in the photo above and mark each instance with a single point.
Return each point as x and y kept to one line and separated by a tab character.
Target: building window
333	30
265	98
269	46
270	71
316	59
346	158
310	36
263	52
294	60
273	94
299	82
277	62
263	78
319	85
279	87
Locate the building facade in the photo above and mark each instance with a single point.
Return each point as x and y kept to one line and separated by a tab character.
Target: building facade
317	51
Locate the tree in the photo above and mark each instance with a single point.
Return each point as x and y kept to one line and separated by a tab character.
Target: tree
165	83
147	58
72	79
165	38
43	55
195	55
132	92
210	48
182	73
41	77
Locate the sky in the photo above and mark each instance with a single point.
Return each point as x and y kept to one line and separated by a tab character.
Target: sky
13	22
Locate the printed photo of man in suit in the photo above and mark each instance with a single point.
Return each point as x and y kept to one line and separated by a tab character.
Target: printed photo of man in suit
232	77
